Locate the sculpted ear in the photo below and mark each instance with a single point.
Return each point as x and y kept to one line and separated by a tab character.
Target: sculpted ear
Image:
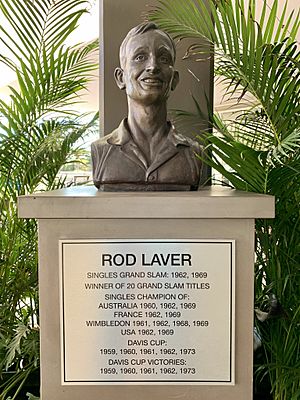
119	78
175	80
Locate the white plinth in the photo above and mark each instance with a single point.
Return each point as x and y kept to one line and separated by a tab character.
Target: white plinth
216	215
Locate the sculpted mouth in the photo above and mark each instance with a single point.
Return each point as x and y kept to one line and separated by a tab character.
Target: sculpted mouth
154	81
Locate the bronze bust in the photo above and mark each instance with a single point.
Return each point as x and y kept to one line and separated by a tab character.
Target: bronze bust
144	152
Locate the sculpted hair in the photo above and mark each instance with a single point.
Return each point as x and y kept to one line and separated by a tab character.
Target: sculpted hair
139	30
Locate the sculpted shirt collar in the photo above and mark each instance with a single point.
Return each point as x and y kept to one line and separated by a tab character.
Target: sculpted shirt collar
121	136
122	140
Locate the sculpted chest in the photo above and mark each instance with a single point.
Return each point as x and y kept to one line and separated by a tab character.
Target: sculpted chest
173	164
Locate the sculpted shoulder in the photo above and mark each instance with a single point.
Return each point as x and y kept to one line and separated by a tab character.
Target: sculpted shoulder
193	144
100	149
106	141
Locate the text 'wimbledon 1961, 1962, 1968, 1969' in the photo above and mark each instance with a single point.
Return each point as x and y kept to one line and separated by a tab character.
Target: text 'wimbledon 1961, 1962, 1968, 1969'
147	312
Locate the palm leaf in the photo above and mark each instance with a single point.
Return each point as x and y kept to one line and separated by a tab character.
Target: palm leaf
35	25
245	55
258	150
38	135
41	92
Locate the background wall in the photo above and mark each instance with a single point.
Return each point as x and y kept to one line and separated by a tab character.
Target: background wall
119	16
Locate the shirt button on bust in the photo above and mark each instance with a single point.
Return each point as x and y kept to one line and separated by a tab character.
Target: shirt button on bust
151	178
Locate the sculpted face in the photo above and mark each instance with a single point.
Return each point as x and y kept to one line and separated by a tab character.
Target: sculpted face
148	73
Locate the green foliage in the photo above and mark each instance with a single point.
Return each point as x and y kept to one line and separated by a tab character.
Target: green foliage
31	397
39	133
258	60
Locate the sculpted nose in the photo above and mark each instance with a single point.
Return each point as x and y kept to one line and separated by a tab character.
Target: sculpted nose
152	65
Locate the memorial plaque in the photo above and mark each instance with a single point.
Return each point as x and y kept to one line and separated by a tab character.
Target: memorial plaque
147	312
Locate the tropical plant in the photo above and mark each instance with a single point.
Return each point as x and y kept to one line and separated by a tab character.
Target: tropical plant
258	60
39	133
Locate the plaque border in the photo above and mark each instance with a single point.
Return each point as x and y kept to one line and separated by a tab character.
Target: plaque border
229	382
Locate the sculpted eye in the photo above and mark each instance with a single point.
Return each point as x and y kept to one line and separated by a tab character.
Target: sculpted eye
164	58
140	57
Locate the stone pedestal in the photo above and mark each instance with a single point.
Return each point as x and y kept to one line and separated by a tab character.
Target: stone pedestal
83	213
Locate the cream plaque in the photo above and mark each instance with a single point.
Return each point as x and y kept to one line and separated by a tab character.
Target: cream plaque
147	312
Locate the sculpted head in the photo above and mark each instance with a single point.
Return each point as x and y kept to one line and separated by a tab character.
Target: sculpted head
147	58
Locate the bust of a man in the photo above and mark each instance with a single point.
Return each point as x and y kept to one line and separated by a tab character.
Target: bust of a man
145	152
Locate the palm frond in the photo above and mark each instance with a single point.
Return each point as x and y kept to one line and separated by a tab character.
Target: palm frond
246	55
39	133
42	92
38	24
258	149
